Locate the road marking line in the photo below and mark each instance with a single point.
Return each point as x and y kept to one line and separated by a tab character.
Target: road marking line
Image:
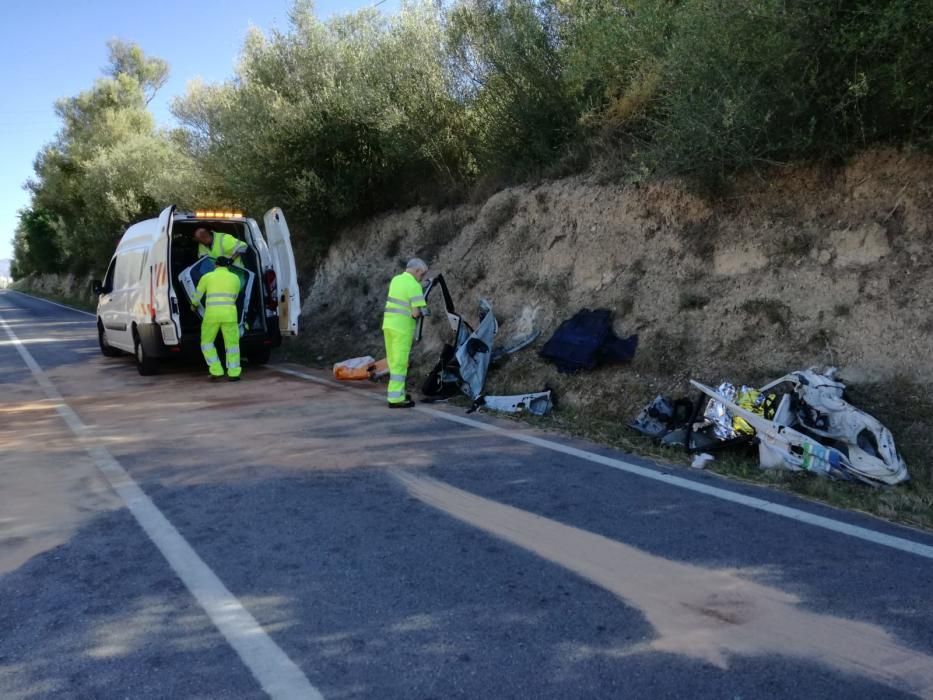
276	673
856	531
54	303
761	504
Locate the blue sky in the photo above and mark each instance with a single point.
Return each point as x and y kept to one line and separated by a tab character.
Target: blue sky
56	48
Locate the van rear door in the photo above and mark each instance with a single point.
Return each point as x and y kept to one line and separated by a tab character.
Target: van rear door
164	305
283	262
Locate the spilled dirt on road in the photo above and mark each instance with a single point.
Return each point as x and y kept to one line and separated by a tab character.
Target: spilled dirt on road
50	488
697	612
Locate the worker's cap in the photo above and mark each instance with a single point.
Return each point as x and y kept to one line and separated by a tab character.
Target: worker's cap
223	262
417	264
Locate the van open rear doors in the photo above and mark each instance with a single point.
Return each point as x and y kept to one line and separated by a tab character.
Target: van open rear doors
162	301
283	261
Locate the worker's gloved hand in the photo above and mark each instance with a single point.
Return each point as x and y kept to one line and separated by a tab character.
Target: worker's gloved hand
425	311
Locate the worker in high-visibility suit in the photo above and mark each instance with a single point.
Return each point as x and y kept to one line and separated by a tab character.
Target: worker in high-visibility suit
216	244
219	289
404	305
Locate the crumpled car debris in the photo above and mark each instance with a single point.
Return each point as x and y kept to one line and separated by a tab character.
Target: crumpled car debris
823	412
662	416
799	422
810	426
537	404
463	365
781	445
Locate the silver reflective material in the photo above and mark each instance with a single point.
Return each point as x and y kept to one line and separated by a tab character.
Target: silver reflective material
814	429
717	414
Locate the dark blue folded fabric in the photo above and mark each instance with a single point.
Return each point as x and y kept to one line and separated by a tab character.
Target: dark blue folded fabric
587	341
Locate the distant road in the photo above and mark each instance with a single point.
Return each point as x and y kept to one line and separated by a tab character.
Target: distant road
169	537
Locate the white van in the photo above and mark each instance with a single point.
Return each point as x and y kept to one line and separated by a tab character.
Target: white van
142	307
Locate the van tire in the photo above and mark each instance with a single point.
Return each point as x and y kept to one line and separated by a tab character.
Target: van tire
259	357
105	348
144	364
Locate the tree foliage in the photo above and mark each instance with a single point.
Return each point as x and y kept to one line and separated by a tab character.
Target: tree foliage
335	120
107	166
36	244
332	120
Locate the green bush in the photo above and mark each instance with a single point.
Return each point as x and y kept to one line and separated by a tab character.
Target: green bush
753	82
333	120
336	120
507	69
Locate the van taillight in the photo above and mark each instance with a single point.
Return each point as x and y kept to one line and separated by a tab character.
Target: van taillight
272	295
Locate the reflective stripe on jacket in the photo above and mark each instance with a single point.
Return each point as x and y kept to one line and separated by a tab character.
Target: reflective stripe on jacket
405	295
219	289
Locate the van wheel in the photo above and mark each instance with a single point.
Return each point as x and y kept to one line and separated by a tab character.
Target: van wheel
105	348
259	357
145	364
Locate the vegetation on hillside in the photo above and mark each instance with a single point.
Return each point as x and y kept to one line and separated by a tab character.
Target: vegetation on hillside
335	120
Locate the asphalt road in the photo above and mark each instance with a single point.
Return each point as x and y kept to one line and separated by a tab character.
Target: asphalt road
313	537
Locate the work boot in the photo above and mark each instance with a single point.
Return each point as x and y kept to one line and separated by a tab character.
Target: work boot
407	403
233	379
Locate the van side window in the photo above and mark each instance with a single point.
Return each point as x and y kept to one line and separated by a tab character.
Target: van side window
108	278
128	269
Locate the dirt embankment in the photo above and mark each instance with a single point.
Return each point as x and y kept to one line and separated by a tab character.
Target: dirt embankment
811	267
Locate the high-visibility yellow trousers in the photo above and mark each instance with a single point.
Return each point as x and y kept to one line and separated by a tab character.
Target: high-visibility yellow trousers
231	333
398	346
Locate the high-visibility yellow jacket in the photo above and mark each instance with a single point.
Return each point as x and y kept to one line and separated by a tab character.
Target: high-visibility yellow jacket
219	289
223	245
405	295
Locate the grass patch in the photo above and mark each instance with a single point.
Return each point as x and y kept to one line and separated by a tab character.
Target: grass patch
901	405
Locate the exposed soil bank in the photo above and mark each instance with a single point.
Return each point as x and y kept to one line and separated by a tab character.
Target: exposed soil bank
813	265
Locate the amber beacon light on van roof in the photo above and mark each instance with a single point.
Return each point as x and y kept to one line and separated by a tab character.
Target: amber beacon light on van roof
218	214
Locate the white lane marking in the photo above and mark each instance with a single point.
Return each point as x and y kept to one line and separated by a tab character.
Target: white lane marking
761	504
856	531
53	303
278	675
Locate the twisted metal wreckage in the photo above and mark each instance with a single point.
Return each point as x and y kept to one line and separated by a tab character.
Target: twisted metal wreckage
463	366
800	422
